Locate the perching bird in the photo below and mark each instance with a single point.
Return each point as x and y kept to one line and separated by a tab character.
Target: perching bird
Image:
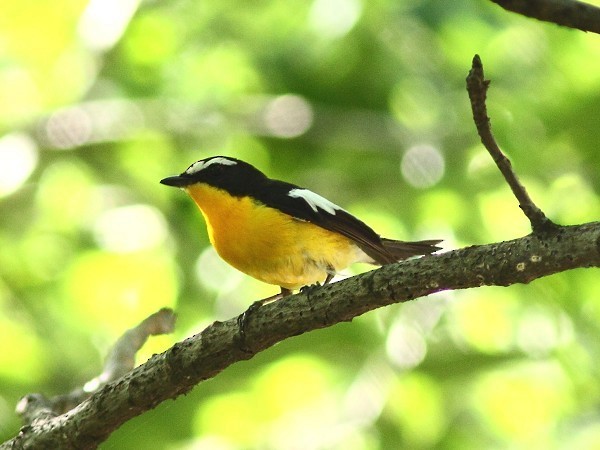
280	233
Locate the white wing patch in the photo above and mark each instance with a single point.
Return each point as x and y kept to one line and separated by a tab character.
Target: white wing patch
201	165
315	201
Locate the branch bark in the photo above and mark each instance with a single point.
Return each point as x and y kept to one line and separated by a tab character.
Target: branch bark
119	361
568	13
179	369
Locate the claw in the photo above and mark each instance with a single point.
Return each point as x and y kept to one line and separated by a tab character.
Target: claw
310	287
243	318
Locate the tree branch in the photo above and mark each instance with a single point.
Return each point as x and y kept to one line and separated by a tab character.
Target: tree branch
477	87
204	355
119	361
568	13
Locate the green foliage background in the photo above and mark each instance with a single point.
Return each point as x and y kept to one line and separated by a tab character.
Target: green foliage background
363	102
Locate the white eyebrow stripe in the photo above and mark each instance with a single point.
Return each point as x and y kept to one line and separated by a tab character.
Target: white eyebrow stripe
201	165
315	201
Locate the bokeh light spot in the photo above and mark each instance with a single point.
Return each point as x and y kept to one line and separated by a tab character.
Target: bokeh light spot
130	228
422	166
334	18
104	21
405	346
18	158
541	331
215	273
69	128
288	116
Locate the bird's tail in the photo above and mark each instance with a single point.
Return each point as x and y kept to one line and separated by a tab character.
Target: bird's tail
402	249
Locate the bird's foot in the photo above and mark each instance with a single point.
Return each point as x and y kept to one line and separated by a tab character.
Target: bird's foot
309	289
243	318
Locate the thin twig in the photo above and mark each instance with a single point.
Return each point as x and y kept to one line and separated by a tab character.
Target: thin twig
477	87
120	361
568	13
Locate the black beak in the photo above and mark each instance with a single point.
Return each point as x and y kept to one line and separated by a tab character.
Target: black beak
176	181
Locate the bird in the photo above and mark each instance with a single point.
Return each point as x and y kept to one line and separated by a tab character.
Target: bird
280	233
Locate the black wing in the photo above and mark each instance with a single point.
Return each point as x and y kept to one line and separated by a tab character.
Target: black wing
276	194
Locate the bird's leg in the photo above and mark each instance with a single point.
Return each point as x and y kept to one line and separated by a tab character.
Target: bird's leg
242	319
258	303
330	274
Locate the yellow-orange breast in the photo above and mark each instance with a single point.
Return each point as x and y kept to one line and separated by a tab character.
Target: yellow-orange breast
267	244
